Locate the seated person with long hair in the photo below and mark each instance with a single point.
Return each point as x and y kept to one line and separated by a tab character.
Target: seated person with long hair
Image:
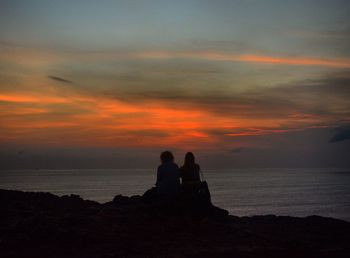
189	174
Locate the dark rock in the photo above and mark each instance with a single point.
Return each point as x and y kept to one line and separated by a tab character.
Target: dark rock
120	200
45	225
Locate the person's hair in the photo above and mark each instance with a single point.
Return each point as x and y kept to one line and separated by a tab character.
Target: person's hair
189	159
166	156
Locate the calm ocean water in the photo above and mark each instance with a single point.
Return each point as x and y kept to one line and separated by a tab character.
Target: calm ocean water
294	192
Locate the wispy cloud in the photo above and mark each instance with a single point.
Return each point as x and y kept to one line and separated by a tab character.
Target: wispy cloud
172	118
31	98
32	56
59	79
249	58
299	100
129	98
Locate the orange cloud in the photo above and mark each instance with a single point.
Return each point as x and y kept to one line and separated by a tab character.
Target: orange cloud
104	122
30	118
250	58
19	98
87	120
337	63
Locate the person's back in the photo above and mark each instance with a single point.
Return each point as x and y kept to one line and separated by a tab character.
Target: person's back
189	174
168	176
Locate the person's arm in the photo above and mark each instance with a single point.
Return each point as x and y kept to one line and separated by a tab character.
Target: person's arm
180	173
198	173
159	176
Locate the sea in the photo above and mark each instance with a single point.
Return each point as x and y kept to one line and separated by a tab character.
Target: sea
243	192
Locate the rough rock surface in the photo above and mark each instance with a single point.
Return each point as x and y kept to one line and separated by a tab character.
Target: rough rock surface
45	225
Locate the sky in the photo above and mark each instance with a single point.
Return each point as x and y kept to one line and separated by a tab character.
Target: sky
110	84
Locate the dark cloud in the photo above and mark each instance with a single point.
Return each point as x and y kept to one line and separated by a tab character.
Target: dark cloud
343	133
59	79
325	97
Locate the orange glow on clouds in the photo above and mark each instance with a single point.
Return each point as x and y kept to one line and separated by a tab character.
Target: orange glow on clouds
251	58
340	63
102	121
31	99
63	115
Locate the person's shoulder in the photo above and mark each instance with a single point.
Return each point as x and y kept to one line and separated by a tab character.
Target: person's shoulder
197	167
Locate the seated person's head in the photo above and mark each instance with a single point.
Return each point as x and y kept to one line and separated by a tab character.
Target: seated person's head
189	159
166	156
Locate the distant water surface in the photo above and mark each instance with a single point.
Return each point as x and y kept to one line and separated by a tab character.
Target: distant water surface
294	192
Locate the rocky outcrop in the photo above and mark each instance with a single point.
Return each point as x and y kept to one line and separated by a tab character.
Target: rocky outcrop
45	225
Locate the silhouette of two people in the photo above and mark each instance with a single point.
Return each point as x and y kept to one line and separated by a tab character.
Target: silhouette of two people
181	189
169	175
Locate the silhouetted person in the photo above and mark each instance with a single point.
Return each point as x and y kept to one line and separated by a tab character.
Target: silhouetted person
168	175
189	174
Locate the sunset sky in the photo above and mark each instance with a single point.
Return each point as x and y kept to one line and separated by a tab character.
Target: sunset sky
112	83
